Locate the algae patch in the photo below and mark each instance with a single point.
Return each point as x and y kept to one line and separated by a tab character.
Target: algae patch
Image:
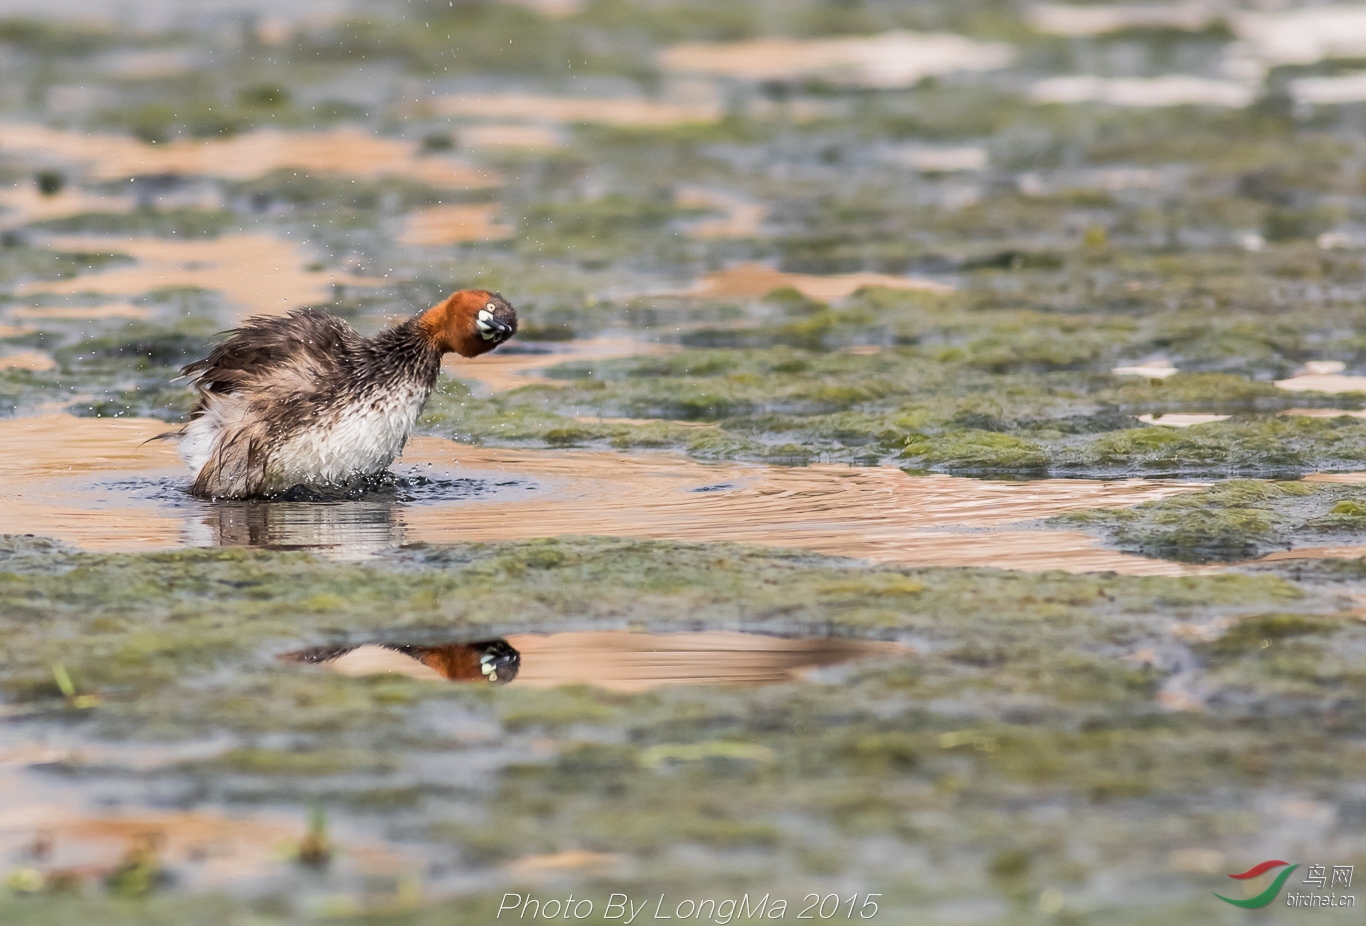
1045	688
1231	521
898	406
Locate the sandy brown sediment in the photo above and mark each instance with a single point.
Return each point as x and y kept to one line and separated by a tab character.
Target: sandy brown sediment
1168	90
1336	477
739	219
437	225
1151	369
891	59
502	135
151	64
941	160
608	419
555	864
1097	20
1299	36
59	477
616	111
94	845
1328	551
1267	38
552	9
1326	412
1333	383
24	204
204	849
341	151
757	279
259	274
34	360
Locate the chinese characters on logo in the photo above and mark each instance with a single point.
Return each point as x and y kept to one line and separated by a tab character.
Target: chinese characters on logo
1316	875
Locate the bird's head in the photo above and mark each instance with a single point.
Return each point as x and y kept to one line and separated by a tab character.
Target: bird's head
486	661
470	322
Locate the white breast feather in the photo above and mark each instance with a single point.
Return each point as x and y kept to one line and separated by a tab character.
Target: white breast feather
359	439
200	437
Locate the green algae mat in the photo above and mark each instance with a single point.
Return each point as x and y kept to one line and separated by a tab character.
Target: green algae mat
1039	732
989	239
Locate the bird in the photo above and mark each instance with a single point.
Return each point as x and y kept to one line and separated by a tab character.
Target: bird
304	399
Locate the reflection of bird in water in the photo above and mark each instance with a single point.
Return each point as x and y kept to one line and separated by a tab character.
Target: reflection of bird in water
304	399
349	528
619	660
485	660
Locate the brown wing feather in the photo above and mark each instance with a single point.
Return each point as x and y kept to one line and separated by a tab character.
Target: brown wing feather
265	344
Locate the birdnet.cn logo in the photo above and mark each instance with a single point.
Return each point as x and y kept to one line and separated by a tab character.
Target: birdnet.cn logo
1324	880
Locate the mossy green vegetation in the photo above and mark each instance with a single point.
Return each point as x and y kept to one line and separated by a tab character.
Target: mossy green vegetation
1231	521
597	231
1046	747
1044	688
996	379
901	406
20	261
945	384
344	200
1093	237
116	369
179	223
38	36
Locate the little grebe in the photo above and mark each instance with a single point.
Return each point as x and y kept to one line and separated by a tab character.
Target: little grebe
305	399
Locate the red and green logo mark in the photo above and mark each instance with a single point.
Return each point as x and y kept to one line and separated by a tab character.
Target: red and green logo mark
1267	896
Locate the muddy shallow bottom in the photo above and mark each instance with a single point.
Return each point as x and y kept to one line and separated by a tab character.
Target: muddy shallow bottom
99	484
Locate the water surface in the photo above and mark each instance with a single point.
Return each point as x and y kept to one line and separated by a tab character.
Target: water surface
100	484
617	660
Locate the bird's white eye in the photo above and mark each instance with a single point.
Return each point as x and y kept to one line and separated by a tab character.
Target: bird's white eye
490	306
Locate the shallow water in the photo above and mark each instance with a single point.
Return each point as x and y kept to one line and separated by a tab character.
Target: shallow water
1142	92
50	834
620	111
1021	742
887	60
523	138
1332	383
437	225
1325	412
34	360
738	218
1182	420
343	151
615	660
256	273
757	279
24	204
1269	36
99	484
1097	20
